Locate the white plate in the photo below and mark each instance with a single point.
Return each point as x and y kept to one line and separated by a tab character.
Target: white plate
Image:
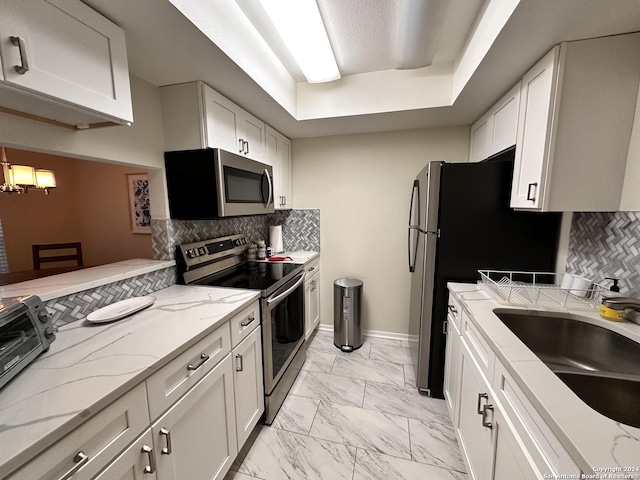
121	309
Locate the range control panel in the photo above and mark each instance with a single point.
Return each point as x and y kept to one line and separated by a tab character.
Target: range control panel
198	253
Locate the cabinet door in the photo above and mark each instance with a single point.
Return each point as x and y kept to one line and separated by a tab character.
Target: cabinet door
279	156
248	384
222	122
537	100
480	139
312	304
67	51
510	459
475	438
251	131
451	369
196	438
505	121
137	462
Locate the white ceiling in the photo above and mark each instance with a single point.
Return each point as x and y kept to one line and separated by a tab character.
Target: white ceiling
165	48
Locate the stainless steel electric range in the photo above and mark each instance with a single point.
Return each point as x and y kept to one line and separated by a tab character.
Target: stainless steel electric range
222	262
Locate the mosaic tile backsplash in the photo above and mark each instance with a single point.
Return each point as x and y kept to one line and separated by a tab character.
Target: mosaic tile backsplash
606	245
77	306
300	230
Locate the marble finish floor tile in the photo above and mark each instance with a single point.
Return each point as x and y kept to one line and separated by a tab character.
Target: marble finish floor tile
296	414
366	369
277	454
367	429
405	401
435	444
375	466
330	388
391	353
319	362
232	475
384	341
324	344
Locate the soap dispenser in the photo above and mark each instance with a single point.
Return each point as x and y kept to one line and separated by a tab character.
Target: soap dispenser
614	290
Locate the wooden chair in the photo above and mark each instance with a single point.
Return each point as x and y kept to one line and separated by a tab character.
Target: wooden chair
65	257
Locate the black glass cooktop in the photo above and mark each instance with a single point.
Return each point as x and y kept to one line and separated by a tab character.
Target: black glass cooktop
252	275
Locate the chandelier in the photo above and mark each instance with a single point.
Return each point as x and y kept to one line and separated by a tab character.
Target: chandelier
20	178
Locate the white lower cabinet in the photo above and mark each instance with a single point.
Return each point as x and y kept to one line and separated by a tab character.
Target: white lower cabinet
473	415
312	298
135	463
510	457
196	438
500	433
248	384
452	368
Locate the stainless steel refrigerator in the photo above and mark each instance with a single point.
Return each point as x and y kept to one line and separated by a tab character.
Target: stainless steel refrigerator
460	222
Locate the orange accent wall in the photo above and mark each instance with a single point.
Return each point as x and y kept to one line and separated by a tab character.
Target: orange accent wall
90	205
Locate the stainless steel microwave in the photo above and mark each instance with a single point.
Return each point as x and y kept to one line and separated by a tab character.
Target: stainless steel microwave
213	183
25	332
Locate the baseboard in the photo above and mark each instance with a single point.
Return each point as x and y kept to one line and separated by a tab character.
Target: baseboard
371	333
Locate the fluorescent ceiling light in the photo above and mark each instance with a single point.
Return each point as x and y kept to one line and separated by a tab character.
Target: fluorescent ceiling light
419	27
300	25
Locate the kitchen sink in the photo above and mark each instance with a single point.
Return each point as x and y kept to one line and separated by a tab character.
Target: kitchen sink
602	367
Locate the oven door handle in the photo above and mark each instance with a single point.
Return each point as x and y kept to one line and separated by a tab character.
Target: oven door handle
274	299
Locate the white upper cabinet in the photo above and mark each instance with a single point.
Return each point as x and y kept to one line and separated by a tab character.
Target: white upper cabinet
577	106
279	157
196	116
496	129
63	61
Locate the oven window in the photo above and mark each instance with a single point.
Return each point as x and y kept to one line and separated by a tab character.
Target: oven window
287	327
241	186
17	339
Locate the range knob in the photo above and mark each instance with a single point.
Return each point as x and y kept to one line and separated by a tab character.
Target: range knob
48	332
43	316
202	251
191	253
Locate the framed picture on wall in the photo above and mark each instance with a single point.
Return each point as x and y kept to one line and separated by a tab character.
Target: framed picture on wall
138	185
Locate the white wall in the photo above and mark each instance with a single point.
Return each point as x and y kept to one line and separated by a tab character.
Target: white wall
630	201
362	186
140	144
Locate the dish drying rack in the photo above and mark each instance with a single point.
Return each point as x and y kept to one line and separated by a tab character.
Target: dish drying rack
540	289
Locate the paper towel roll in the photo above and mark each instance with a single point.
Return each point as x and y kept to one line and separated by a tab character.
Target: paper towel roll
275	238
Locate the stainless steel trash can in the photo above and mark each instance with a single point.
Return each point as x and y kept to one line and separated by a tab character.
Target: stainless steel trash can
347	303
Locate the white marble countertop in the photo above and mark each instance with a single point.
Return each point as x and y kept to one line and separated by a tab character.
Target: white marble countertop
89	366
63	284
592	440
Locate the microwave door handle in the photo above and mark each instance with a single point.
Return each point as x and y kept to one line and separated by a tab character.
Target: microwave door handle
265	172
277	297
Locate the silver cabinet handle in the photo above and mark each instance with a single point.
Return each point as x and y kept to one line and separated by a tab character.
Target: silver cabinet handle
239	363
248	321
480	397
80	459
529	196
22	47
203	358
151	468
241	142
246	151
484	416
166	433
313	285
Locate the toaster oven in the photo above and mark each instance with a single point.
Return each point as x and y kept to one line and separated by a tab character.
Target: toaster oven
26	331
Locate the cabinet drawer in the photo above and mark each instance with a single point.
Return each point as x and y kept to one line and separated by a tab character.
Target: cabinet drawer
244	323
173	380
478	346
454	311
92	445
541	444
312	267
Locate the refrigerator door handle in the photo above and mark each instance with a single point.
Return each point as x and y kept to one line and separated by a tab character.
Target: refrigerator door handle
416	188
